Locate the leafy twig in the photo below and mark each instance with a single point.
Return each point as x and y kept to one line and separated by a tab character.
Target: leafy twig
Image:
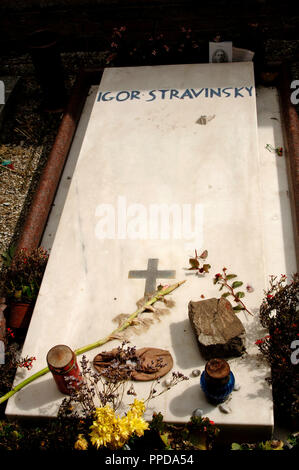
223	279
195	263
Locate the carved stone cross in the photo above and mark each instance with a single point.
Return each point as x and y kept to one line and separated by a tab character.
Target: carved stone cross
151	275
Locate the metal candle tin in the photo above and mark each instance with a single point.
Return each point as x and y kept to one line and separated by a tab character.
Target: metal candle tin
217	381
62	363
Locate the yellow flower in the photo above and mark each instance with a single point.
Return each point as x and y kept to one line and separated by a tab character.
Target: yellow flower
102	427
113	432
81	443
136	424
138	407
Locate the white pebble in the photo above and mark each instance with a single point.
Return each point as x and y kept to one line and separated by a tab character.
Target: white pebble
224	408
196	373
197	412
168	382
237	387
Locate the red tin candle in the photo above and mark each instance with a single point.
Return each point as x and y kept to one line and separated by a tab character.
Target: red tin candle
62	363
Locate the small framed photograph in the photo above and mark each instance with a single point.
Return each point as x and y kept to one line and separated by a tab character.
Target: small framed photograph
220	52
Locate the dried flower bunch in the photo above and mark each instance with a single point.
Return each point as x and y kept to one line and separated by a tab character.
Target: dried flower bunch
24	274
101	395
109	386
279	313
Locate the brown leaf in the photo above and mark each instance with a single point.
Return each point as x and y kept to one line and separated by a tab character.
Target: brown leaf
194	263
204	254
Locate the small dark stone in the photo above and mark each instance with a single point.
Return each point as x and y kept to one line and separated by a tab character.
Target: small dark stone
219	331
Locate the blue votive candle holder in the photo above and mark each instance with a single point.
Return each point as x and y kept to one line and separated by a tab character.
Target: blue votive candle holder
217	381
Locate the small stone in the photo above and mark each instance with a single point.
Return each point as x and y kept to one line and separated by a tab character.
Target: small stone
196	373
237	387
197	412
168	382
224	408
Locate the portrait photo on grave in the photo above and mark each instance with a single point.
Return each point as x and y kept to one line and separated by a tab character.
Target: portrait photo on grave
220	52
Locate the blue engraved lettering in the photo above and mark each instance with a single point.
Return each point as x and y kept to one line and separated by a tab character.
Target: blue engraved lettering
197	93
163	93
227	93
187	93
237	92
249	89
127	95
152	94
215	92
107	99
135	95
174	93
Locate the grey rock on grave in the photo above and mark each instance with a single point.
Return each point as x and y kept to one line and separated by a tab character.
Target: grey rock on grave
219	331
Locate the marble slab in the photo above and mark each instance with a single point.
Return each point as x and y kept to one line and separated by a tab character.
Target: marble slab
144	150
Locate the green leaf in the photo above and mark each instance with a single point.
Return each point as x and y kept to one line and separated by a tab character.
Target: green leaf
271	445
237	308
240	295
226	294
165	440
231	276
237	284
194	263
8	256
236	446
221	287
18	294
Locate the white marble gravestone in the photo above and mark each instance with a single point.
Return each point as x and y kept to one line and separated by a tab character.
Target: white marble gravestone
173	140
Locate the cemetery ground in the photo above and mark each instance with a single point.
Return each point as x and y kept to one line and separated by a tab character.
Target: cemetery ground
27	137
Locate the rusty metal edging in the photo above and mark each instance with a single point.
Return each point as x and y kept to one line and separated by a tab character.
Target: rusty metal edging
290	121
43	198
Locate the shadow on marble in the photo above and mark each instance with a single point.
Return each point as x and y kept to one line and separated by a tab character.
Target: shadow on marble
39	394
180	405
269	116
182	358
257	363
254	329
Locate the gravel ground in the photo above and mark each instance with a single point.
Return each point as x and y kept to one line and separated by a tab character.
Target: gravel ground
26	140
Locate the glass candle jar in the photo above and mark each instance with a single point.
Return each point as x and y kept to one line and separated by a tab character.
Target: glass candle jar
217	381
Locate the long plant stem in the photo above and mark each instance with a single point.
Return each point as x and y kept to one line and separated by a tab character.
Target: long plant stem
157	296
